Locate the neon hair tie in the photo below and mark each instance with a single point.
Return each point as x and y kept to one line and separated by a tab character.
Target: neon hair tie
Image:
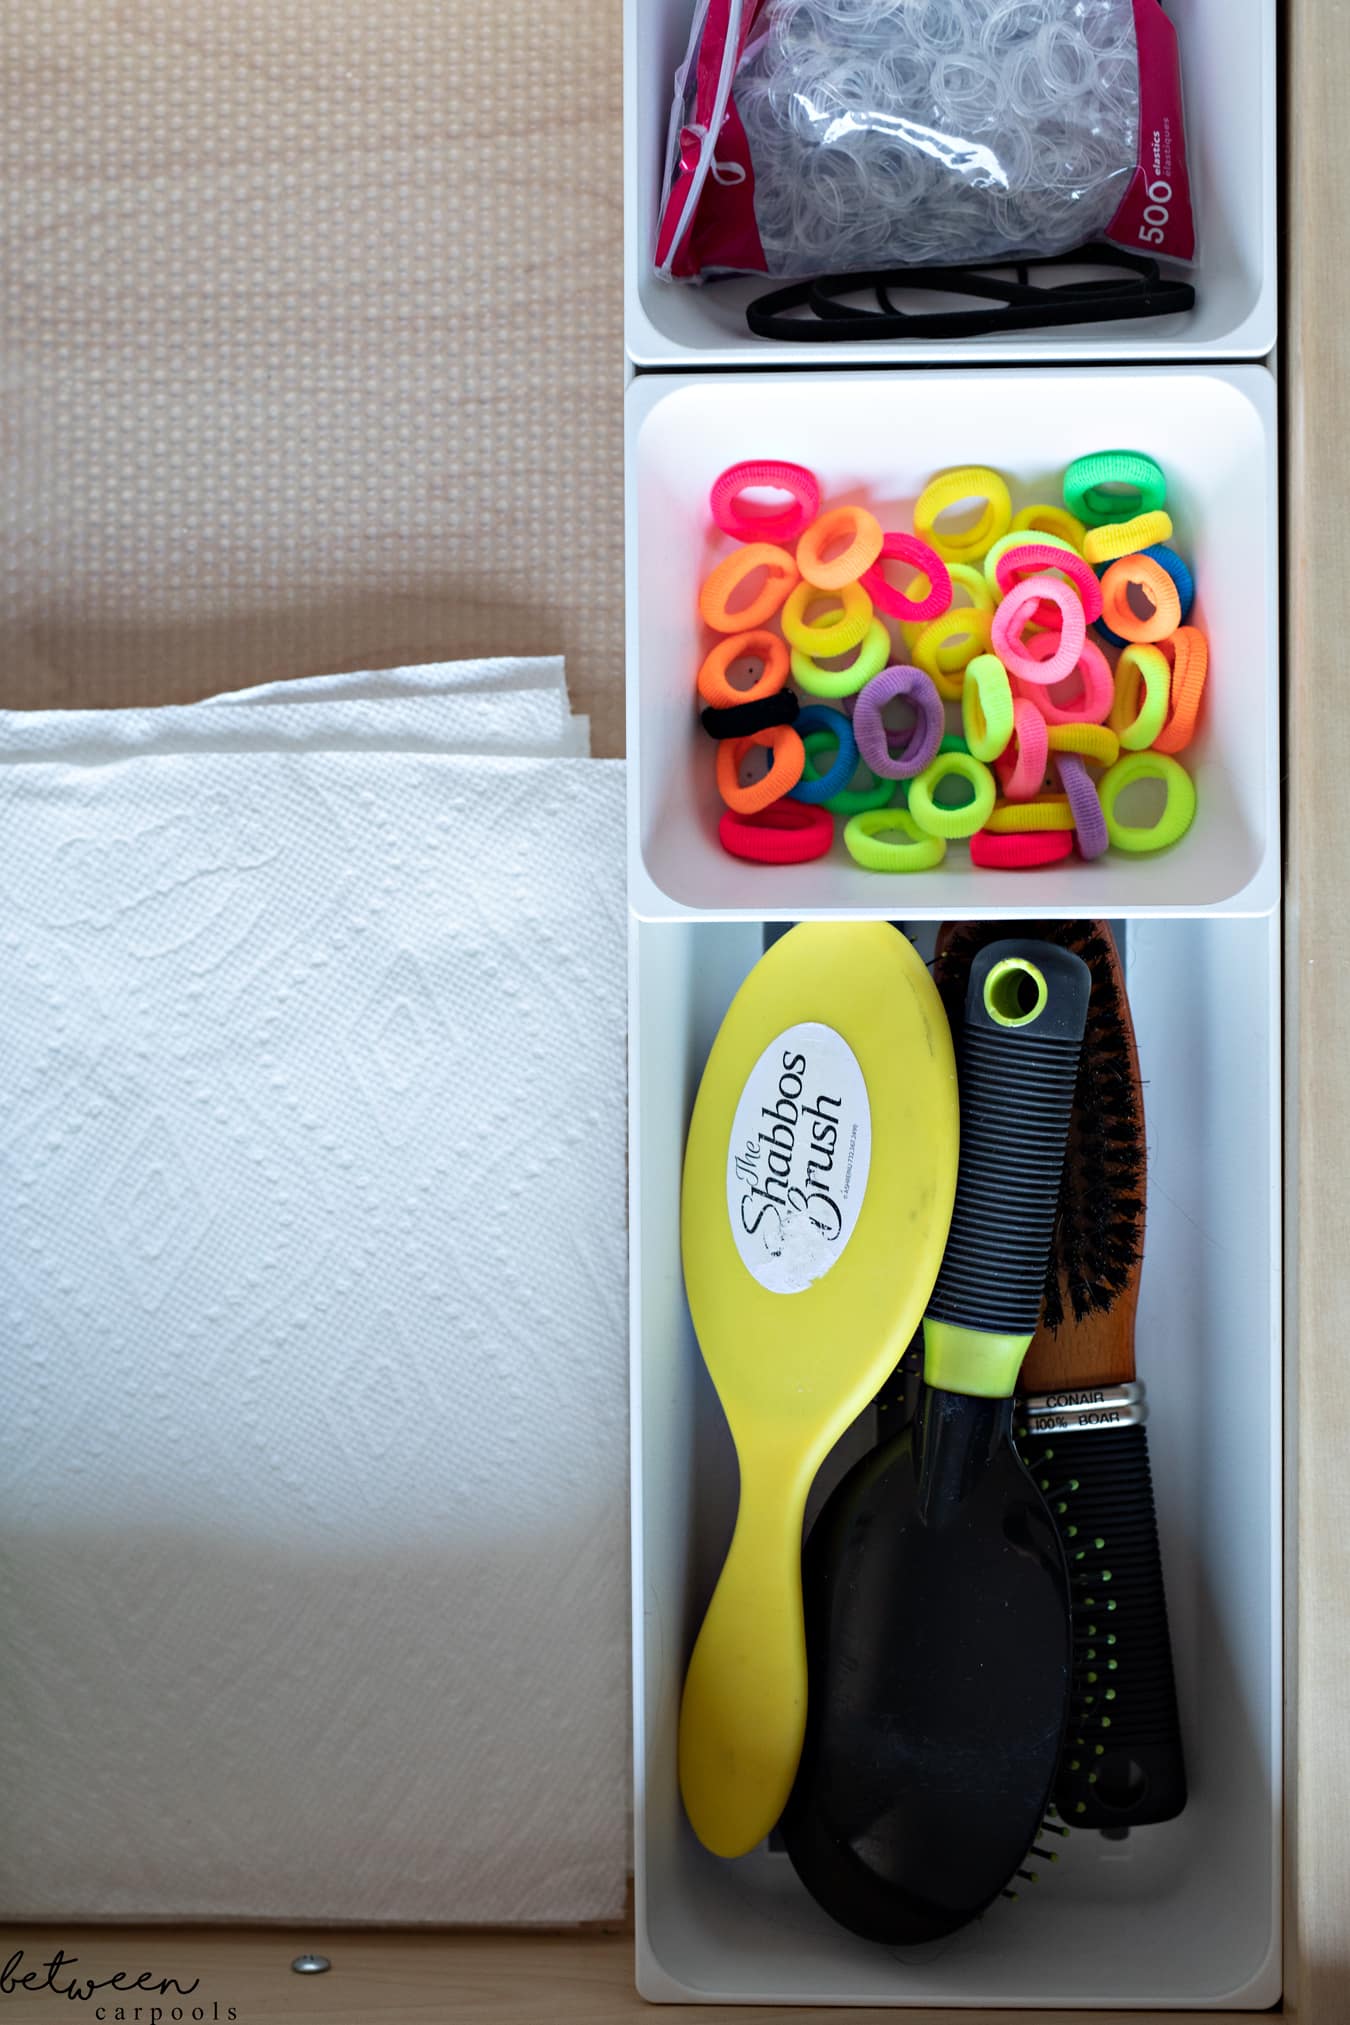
1180	573
1043	555
1090	701
962	821
1153	587
870	840
1190	665
869	660
1127	537
1051	520
817	718
1019	853
789	833
1178	811
967	577
970	578
909	549
1017	612
1088	741
1140	486
1022	768
741	719
724	501
1047	812
848	801
714	683
822	638
922	742
718	589
784	772
1089	823
1137	722
952	741
946	648
987	707
1020	539
1182	580
861	553
950	488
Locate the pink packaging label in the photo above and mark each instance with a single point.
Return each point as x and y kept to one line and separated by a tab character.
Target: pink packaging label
1155	214
723	232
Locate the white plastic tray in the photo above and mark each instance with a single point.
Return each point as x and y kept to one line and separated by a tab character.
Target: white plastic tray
1183	1915
878	438
1228	76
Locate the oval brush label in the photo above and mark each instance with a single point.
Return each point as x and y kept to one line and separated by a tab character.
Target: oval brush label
801	1145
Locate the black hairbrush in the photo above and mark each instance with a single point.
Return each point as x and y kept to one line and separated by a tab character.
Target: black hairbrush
1081	1416
936	1589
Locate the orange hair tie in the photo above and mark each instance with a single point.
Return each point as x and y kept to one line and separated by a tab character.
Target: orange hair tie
1189	651
1146	574
860	554
714	685
718	590
789	757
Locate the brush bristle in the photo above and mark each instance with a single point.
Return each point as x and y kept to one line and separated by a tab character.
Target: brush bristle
1099	1223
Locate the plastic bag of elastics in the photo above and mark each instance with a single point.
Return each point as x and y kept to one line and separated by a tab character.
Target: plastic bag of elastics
847	135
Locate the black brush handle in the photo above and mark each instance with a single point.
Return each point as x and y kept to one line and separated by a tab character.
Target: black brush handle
1124	1766
1017	1066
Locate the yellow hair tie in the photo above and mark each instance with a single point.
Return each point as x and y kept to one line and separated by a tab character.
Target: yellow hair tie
824	638
1055	520
1137	723
947	646
1093	741
1050	812
951	488
1127	537
965	577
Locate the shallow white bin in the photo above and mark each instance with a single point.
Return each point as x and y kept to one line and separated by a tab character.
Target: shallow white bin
878	438
1182	1915
1228	76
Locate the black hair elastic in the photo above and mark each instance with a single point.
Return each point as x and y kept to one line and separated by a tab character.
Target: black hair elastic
740	719
1137	287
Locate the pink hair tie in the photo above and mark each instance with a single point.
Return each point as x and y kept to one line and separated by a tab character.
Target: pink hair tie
908	548
1018	610
1014	565
1022	767
1096	694
775	476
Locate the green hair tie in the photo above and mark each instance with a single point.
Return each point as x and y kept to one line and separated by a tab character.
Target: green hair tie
1141	486
889	840
1178	810
849	801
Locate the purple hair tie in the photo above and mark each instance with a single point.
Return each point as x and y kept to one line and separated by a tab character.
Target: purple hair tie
921	743
1085	804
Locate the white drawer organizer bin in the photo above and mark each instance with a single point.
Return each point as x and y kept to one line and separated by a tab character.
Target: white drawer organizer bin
877	439
1183	1915
1228	78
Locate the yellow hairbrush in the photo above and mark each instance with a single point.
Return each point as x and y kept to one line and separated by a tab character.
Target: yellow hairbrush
819	1176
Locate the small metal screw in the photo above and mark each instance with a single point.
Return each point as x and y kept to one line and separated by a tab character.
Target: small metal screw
311	1965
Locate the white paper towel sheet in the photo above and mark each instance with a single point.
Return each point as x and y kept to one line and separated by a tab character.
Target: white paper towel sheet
312	1279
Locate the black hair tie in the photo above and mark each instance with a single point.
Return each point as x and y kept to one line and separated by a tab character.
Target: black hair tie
1009	301
740	719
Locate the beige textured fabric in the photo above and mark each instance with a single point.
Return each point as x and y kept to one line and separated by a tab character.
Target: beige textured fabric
310	343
